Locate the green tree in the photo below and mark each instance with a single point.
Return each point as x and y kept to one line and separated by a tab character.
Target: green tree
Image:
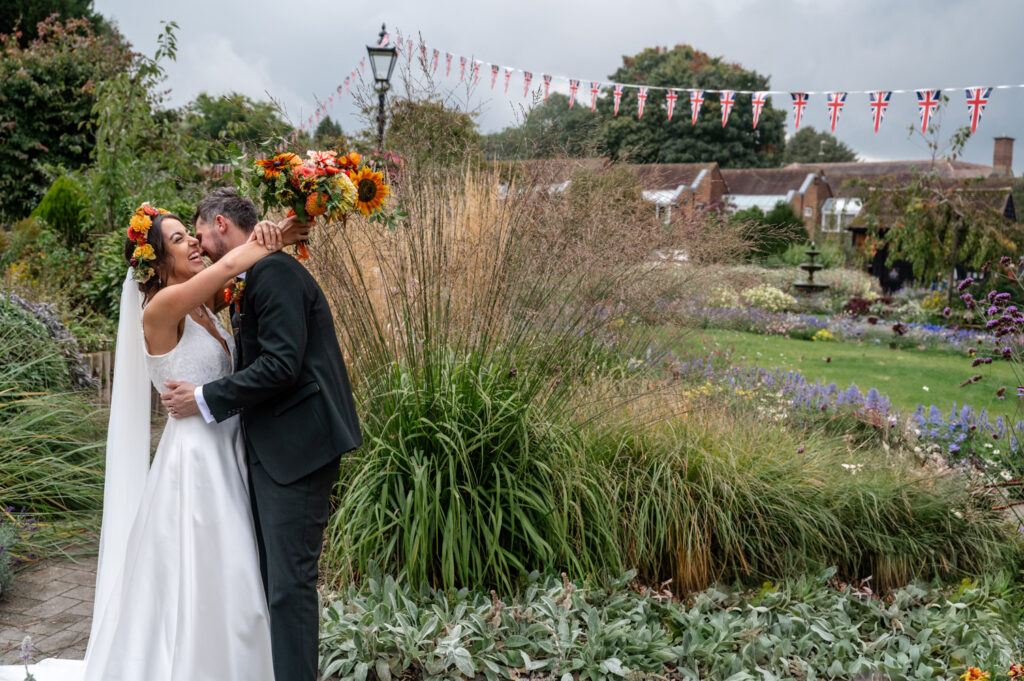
47	94
773	232
234	118
937	224
23	16
550	129
655	139
427	131
810	146
328	135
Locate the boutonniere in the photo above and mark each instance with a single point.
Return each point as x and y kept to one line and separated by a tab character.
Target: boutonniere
234	295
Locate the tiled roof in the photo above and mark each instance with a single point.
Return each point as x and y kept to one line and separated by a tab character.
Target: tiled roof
764	180
838	174
669	175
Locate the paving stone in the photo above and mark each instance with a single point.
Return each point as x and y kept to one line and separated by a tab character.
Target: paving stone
54	587
76	652
55	643
57	605
19	604
82	625
81	610
82	593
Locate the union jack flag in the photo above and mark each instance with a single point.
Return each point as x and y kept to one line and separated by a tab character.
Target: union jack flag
879	103
836	102
727	98
547	85
348	87
409	51
476	70
339	91
696	99
384	40
508	77
437	54
757	101
331	99
447	64
617	96
641	98
799	103
594	89
398	45
527	77
362	64
462	68
574	85
670	97
318	114
423	54
927	103
977	98
494	74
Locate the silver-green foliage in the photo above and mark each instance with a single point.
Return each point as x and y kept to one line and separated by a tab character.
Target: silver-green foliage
558	630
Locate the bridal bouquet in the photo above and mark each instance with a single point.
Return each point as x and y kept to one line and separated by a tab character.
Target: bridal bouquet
325	183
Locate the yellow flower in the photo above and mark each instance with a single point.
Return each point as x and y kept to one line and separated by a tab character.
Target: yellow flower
144	252
141	223
974	674
371	190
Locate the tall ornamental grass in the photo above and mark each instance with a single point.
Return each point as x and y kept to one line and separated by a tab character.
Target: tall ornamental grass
516	417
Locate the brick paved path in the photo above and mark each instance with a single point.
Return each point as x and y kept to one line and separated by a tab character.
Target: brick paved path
52	602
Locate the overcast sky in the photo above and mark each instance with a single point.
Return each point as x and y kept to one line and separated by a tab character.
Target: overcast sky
300	52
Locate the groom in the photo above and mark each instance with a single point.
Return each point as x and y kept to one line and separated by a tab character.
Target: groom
298	417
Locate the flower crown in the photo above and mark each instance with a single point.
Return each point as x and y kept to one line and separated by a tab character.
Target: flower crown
138	229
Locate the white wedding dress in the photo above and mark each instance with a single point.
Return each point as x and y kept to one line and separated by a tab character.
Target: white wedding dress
188	604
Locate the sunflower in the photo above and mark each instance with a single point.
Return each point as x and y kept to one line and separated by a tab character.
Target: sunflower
371	190
272	167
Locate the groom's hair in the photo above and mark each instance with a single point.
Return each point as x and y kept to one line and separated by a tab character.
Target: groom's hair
226	201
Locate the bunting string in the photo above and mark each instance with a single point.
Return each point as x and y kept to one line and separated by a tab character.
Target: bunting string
976	98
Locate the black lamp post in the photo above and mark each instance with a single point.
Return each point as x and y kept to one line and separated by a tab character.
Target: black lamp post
382	61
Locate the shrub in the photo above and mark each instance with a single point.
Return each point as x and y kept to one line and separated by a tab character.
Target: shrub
31	361
64	208
830	254
767	297
7	539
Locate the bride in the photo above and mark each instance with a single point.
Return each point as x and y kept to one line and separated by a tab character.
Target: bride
178	593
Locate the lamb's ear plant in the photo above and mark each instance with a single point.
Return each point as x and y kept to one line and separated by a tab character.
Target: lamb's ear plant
815	627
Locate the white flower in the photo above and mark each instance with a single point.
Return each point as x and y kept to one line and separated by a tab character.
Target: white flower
924	388
1006	475
958	514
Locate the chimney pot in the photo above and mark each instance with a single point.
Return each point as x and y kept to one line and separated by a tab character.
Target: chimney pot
1002	157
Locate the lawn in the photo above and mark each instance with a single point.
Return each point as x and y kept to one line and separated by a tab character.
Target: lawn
907	377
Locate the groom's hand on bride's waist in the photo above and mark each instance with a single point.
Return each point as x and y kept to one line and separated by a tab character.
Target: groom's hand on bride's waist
180	399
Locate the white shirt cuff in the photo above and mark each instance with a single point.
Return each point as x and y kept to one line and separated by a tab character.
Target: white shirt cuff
203	408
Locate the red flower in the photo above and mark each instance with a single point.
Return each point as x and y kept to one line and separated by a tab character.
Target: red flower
150	211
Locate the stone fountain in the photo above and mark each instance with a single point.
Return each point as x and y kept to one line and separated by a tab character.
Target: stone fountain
810	267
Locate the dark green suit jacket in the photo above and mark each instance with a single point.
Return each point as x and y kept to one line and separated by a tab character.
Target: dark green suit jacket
290	383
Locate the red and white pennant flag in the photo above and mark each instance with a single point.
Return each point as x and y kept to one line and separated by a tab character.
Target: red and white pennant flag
617	96
447	64
641	98
494	74
476	70
727	98
835	103
594	89
696	99
799	104
757	102
462	68
977	98
437	54
927	103
670	97
408	51
879	103
574	85
547	85
508	77
527	77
